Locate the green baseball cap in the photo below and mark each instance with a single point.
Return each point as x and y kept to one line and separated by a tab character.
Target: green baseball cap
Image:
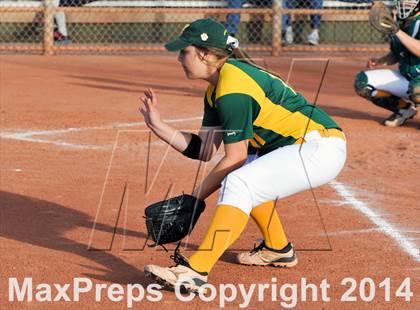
202	32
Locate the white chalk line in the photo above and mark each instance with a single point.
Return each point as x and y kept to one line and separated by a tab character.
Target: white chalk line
388	229
29	136
54	142
367	231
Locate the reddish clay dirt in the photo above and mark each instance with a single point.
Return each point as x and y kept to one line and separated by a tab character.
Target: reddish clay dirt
55	183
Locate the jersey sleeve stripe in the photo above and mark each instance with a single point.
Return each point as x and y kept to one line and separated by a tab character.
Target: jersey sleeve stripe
253	143
259	139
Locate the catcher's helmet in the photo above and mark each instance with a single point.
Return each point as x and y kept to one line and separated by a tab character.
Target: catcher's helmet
407	8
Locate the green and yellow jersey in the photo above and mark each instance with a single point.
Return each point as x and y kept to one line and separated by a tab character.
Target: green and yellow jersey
249	103
409	64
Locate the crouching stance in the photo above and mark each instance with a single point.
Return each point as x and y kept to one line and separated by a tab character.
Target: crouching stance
276	144
396	90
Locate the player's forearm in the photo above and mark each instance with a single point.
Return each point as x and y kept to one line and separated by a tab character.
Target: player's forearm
212	181
210	142
207	152
175	138
412	44
388	60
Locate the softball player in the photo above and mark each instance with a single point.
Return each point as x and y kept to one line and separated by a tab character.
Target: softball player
396	90
290	145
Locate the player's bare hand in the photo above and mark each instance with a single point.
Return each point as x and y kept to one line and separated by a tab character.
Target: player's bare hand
372	63
149	110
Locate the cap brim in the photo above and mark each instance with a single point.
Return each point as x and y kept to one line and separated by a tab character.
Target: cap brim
176	45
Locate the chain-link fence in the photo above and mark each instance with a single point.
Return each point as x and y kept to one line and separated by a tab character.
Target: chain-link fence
117	26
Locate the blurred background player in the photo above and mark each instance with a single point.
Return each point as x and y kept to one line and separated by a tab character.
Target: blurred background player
60	27
232	20
254	27
396	90
313	37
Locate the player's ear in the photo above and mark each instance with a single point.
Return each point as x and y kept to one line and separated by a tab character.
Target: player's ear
206	55
202	53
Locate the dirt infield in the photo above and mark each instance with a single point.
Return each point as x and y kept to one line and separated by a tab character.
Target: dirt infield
76	161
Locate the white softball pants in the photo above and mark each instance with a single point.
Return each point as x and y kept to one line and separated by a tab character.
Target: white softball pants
388	80
284	172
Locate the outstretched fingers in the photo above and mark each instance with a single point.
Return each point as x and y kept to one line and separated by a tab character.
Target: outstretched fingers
148	108
151	95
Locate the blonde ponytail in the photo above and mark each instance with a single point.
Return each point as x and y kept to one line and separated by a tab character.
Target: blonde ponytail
243	56
236	53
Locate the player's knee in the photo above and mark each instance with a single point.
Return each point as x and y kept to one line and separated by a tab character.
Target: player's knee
414	92
235	182
236	191
361	86
415	98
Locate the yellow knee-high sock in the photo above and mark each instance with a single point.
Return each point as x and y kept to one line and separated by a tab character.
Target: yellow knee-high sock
227	224
268	221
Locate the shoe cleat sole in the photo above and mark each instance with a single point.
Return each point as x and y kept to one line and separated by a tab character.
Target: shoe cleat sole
276	264
168	285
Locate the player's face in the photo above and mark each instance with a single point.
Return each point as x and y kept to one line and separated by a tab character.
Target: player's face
192	62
